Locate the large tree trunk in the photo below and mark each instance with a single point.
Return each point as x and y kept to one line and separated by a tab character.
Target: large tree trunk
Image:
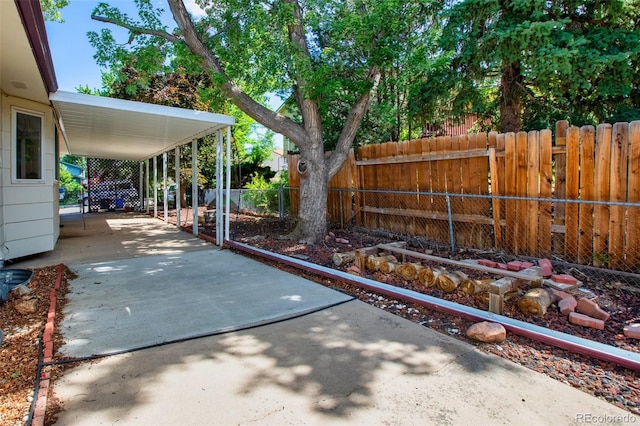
511	104
314	184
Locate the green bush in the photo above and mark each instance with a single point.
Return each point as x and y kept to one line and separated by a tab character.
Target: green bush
262	194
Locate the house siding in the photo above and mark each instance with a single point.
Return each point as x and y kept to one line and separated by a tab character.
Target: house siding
29	217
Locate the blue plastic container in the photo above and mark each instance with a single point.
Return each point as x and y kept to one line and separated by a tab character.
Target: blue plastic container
12	278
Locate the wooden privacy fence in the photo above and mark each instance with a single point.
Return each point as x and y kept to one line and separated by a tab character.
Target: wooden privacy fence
575	196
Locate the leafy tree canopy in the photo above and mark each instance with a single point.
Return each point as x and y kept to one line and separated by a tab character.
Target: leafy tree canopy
51	9
566	60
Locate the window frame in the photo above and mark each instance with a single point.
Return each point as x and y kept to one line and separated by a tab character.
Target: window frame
14	145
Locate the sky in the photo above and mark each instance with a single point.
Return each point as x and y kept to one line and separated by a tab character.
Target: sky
73	55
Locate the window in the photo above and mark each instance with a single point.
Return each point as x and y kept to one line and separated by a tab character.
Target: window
28	146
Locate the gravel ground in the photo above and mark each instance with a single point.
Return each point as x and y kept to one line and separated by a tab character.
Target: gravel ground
20	350
614	384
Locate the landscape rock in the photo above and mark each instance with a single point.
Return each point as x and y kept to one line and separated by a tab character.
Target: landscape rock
560	294
564	279
547	268
632	330
567	305
488	332
487	262
586	321
27	306
591	308
354	270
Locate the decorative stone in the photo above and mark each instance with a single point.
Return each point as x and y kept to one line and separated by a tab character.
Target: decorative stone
591	308
547	268
487	262
567	305
564	279
354	270
632	331
27	306
515	265
586	321
488	332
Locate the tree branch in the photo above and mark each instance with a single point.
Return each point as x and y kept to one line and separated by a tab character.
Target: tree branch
139	30
272	120
352	123
308	108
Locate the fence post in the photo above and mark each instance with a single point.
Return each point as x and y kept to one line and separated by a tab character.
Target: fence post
452	241
280	201
341	210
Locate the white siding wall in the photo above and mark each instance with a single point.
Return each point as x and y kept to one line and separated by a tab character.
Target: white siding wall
29	219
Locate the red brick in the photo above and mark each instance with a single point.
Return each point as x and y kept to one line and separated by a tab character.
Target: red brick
560	294
591	308
586	321
525	265
632	331
502	266
547	268
565	279
487	262
514	266
567	305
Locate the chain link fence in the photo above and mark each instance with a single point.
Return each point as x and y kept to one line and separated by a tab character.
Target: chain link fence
589	239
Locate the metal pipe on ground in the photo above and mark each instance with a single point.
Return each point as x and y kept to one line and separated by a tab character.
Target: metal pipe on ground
579	345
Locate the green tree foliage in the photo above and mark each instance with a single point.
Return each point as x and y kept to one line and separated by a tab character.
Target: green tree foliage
527	63
328	55
74	159
71	187
51	9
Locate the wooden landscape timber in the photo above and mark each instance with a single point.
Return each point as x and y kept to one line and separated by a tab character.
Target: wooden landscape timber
409	271
468	264
340	259
362	253
471	287
449	282
374	262
536	301
389	266
428	276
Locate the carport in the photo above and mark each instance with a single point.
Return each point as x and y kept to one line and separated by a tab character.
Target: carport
101	127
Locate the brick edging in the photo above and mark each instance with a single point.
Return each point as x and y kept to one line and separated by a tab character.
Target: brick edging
47	341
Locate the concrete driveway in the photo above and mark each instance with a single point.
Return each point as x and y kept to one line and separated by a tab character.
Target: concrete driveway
343	362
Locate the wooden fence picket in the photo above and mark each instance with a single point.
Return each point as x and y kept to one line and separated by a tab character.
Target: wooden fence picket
632	241
619	150
520	234
573	189
587	160
560	188
546	179
533	191
602	177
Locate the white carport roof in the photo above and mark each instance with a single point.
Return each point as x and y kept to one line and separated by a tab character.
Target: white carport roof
101	127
